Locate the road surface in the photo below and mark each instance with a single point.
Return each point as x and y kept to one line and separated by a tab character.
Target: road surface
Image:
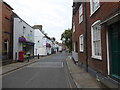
48	72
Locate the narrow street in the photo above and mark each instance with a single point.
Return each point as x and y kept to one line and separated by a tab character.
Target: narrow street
48	72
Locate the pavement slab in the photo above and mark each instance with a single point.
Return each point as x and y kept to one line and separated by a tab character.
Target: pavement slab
11	67
82	78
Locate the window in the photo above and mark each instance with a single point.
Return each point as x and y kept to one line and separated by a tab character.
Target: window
74	47
80	13
95	4
24	30
73	27
81	40
96	40
6	47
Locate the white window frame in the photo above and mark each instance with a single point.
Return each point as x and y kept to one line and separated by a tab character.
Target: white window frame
80	13
73	27
93	4
81	42
93	40
74	47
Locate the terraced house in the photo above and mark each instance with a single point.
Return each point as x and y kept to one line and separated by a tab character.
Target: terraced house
7	46
96	39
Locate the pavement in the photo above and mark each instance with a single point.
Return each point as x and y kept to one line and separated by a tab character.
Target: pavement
81	78
16	65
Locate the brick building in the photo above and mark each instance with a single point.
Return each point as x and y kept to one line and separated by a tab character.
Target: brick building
95	39
7	46
0	30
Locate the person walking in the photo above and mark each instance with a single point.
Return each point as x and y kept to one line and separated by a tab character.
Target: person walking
28	56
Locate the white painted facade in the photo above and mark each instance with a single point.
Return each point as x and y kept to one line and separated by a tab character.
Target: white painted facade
49	48
60	48
40	44
56	47
21	28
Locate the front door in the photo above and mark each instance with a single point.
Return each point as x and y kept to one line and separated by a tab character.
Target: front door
115	49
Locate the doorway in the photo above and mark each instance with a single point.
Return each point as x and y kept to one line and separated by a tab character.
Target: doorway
114	39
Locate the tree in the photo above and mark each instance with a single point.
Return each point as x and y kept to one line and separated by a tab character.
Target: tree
66	38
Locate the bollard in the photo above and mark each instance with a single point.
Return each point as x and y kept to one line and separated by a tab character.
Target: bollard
15	56
38	56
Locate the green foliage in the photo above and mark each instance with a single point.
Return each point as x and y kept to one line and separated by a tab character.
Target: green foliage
66	38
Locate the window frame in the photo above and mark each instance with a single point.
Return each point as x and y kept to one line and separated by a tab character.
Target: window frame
81	13
73	27
92	10
74	47
92	40
81	43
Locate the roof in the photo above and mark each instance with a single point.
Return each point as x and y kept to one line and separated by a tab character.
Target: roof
16	16
8	5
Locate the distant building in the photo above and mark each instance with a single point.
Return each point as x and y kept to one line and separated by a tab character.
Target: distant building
7	31
38	27
23	37
40	43
43	43
96	39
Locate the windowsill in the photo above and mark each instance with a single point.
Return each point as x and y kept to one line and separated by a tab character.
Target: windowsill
80	22
94	11
81	51
97	57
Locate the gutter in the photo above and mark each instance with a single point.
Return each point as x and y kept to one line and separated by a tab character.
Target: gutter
86	35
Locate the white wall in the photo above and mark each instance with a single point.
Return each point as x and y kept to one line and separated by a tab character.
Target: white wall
60	48
40	47
18	32
49	51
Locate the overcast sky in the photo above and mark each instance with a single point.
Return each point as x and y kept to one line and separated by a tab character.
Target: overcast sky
54	15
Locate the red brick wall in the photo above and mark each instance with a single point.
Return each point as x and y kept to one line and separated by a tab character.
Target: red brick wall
6	27
105	10
79	30
0	28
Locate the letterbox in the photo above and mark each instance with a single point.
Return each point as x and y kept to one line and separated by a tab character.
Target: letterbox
21	56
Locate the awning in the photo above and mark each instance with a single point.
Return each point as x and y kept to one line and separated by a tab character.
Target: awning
30	43
114	18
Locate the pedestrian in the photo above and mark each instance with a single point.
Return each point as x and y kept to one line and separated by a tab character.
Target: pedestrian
28	55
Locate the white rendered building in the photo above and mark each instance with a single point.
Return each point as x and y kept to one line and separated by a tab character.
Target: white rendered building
43	44
40	43
23	38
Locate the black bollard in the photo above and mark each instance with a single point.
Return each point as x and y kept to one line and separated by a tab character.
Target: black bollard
38	56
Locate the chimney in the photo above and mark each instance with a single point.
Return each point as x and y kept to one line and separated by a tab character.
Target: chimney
37	27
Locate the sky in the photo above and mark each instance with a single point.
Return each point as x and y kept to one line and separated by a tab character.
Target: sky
54	15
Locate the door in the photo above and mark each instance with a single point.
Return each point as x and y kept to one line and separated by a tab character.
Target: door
115	49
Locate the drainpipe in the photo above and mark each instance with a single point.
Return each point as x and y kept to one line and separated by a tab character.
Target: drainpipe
86	35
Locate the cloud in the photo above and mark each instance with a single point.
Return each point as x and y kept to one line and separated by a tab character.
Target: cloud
54	15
